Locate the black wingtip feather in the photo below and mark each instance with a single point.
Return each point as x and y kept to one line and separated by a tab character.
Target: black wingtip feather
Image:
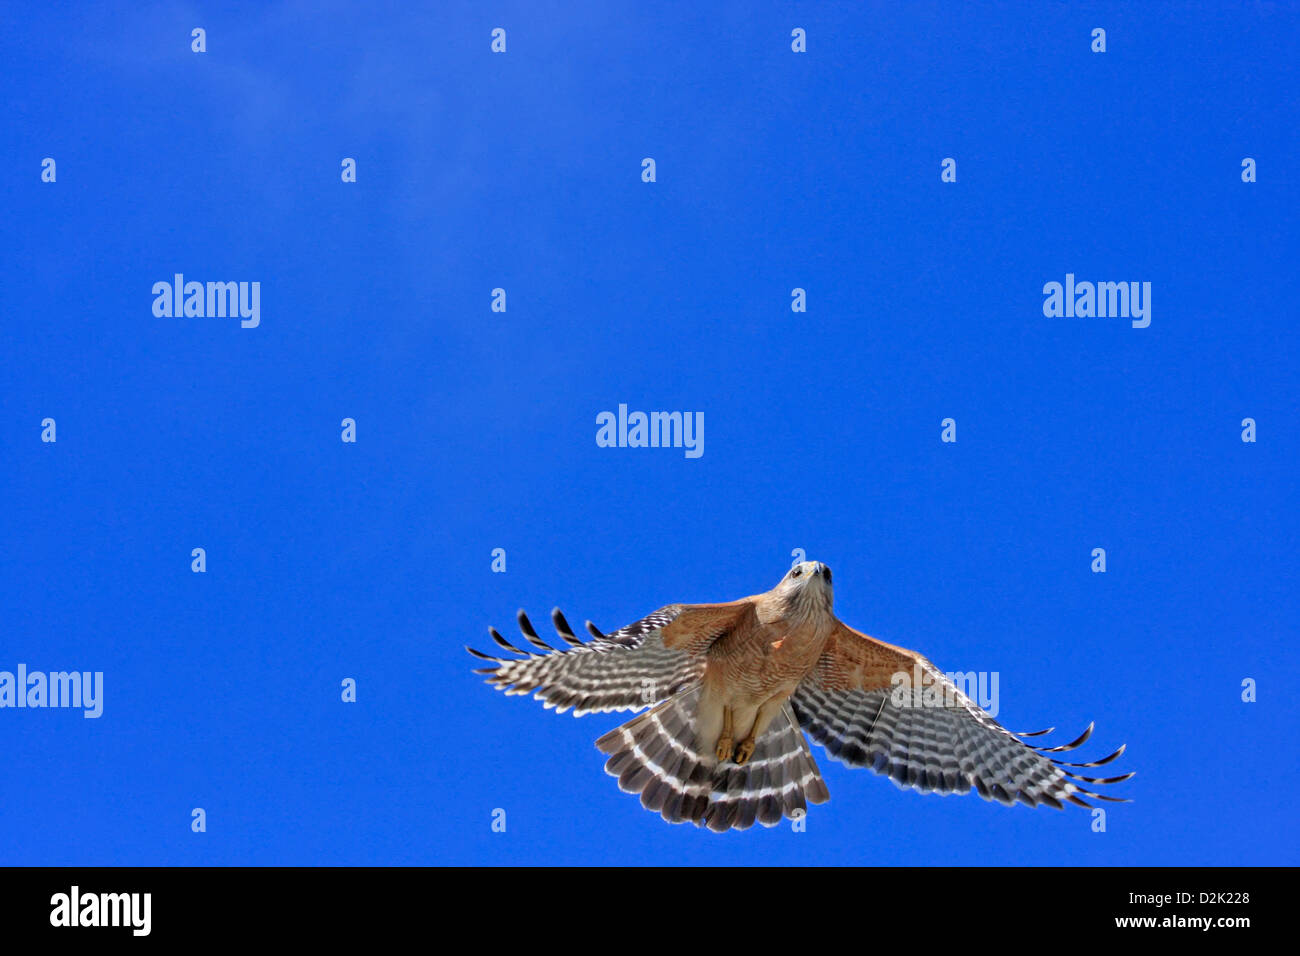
1079	741
537	642
1037	733
1094	763
561	625
525	625
1103	780
501	641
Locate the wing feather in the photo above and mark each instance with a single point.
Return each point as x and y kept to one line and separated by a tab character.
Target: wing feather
941	741
628	669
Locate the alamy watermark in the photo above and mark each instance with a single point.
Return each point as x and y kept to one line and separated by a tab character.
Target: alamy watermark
1106	300
651	430
209	300
923	688
129	910
79	689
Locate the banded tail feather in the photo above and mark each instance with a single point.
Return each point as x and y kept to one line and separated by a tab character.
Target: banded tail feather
656	755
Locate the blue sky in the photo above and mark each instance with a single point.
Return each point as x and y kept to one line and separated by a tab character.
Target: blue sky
476	429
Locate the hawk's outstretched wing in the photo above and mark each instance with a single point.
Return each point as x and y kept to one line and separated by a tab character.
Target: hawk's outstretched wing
631	668
851	706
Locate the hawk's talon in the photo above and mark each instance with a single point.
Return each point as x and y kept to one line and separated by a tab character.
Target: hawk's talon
744	750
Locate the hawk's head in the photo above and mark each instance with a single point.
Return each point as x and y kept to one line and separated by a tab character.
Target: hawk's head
806	588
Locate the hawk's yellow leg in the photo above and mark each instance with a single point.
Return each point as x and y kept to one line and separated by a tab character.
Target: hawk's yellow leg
745	749
723	750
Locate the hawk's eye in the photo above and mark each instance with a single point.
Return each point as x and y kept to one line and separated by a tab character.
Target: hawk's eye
795	572
826	573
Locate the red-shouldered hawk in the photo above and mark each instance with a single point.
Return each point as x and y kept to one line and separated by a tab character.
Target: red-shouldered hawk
732	686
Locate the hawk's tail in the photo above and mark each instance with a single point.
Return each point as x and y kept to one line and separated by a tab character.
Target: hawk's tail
656	755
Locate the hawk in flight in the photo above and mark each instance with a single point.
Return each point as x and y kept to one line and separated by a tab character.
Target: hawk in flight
731	688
